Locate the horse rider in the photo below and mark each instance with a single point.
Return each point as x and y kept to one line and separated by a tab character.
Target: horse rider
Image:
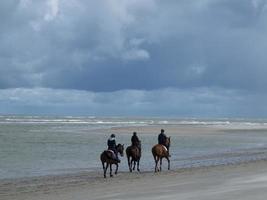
135	140
162	139
112	146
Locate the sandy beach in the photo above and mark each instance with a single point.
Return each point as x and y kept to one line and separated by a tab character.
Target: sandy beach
87	89
244	181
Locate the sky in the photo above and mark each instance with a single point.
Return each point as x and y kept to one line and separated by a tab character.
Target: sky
171	58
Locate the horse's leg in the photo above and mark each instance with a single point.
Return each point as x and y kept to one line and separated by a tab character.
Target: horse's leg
129	164
168	162
139	157
132	168
160	164
134	165
156	163
138	165
110	170
103	164
117	166
105	170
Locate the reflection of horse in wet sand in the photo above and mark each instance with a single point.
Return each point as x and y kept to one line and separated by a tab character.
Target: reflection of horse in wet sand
133	156
160	151
107	157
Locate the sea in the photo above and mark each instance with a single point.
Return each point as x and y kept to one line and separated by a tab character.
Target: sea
33	146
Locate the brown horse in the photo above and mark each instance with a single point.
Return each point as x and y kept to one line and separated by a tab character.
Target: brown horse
160	151
108	158
133	156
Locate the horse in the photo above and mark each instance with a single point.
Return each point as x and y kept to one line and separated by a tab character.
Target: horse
133	156
108	157
160	151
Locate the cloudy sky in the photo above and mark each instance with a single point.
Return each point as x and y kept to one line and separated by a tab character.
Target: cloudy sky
183	58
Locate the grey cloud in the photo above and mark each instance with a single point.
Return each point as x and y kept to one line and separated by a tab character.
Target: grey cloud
142	45
201	102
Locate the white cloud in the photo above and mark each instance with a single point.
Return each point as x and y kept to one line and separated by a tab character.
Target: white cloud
201	102
257	3
135	42
136	54
196	70
24	3
52	10
94	45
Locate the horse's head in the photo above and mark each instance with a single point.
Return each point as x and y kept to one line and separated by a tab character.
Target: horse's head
168	142
120	149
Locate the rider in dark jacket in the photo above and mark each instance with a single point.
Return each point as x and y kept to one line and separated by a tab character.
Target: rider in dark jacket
162	139
135	140
112	146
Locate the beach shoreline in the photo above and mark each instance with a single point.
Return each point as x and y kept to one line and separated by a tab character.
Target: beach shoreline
235	179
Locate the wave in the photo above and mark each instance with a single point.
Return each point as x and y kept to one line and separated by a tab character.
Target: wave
69	120
92	120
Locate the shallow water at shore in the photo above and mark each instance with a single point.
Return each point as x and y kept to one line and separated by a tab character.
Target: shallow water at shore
39	146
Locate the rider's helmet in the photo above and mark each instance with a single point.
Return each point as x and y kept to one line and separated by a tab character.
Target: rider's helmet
112	135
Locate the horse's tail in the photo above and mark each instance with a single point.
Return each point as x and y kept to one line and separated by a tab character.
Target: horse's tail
104	155
128	151
153	150
134	152
102	159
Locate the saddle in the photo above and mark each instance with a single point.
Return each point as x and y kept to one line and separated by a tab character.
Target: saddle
164	147
166	150
110	153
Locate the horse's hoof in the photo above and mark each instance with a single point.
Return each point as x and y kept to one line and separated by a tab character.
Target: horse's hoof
111	175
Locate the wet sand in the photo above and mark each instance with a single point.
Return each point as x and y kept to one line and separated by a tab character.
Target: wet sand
243	181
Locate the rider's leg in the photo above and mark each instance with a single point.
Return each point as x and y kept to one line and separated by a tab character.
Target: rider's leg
117	157
168	151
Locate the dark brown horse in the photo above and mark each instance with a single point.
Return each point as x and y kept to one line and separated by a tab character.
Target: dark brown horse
108	158
133	156
160	151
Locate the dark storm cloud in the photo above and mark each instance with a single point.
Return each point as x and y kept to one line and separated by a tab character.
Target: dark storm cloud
113	45
201	102
136	46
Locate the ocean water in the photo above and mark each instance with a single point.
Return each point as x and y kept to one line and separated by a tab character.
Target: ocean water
38	146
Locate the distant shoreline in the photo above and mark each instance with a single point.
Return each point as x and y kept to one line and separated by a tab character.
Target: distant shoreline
54	185
88	181
184	136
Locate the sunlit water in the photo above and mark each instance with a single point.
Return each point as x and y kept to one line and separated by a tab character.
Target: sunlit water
37	146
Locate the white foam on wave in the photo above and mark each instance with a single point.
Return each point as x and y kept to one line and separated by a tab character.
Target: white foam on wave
75	120
194	122
92	120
